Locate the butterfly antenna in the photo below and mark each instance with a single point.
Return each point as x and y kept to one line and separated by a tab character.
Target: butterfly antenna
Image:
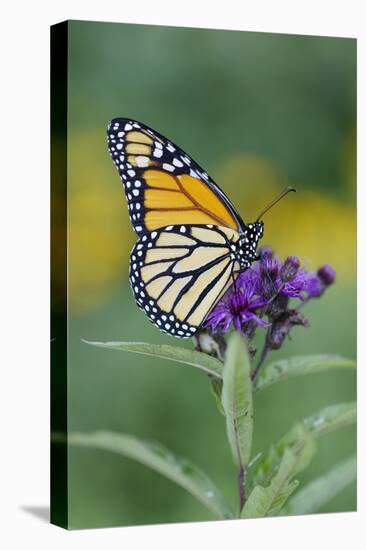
275	201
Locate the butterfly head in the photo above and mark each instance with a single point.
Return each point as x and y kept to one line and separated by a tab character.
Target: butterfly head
249	238
258	228
251	234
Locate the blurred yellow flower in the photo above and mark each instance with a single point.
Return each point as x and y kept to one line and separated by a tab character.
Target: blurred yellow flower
99	234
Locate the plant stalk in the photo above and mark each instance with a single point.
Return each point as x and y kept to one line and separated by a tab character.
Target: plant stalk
241	486
260	362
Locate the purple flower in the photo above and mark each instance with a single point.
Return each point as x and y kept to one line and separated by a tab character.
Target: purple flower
316	283
263	291
238	307
268	295
287	278
302	284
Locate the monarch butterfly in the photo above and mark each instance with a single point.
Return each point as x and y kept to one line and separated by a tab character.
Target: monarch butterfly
192	242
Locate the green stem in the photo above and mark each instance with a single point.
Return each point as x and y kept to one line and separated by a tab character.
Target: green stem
260	362
241	486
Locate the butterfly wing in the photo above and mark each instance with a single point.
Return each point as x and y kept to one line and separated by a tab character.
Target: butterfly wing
162	183
179	272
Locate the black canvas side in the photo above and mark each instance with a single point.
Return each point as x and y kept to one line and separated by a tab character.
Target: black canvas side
59	81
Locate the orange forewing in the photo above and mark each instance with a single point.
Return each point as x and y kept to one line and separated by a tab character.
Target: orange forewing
182	199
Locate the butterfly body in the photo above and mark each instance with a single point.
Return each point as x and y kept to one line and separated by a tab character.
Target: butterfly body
192	242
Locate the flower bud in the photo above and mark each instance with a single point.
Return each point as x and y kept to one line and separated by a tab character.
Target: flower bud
277	306
327	275
277	335
269	270
282	325
289	268
265	253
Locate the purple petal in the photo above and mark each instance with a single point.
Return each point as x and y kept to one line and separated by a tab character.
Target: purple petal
250	316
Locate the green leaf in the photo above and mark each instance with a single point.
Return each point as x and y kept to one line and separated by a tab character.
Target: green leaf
262	467
267	501
318	492
331	418
299	366
272	373
155	456
237	399
216	390
202	361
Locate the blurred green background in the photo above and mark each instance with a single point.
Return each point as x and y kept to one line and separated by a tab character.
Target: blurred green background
258	112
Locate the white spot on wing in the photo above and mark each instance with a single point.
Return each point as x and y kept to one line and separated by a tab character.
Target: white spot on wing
177	163
142	162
